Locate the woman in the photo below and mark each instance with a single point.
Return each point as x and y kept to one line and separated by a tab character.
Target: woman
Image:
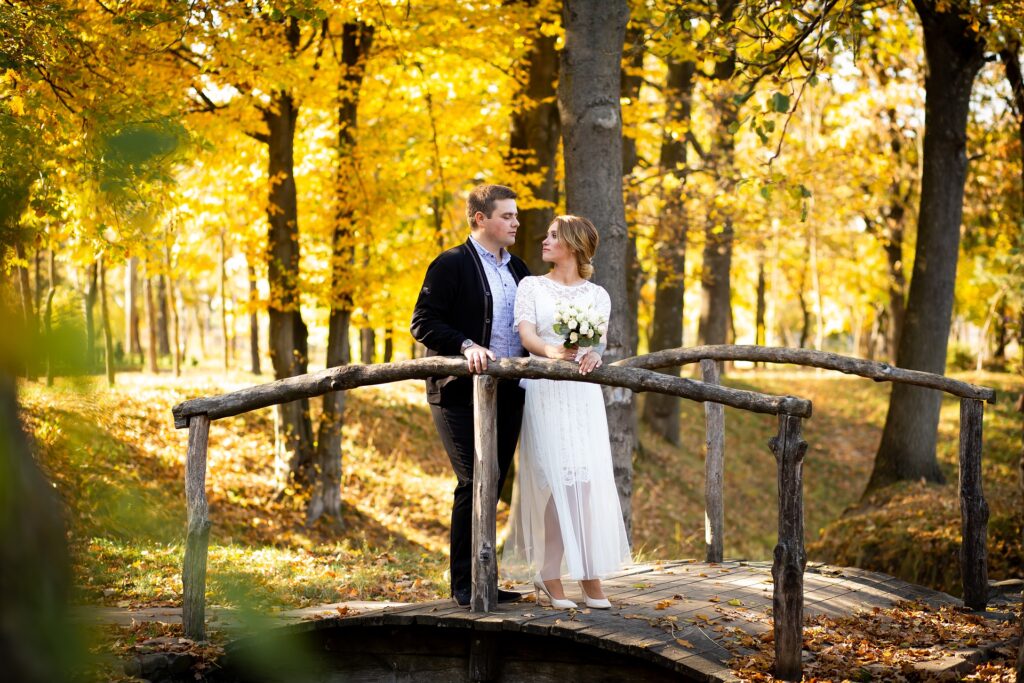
566	516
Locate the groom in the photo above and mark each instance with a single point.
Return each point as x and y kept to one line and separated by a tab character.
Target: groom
466	307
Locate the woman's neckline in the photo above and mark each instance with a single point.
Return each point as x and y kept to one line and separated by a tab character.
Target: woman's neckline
581	282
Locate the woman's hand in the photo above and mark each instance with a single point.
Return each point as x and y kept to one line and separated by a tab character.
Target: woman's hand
589	362
560	352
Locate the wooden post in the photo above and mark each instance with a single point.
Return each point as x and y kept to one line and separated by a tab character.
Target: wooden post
973	508
790	559
193	573
485	493
714	468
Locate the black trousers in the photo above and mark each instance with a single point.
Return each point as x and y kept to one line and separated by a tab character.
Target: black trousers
455	426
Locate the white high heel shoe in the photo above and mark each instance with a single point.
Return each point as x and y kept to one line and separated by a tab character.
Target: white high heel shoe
557	603
595	603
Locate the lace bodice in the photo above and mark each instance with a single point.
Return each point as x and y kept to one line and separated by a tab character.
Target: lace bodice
537	297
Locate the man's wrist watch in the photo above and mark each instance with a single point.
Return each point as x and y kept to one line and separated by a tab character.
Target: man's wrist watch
465	345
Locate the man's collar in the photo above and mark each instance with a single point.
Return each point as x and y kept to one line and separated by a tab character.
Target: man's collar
503	253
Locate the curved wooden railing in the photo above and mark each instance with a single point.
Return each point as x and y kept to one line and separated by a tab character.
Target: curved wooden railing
637	374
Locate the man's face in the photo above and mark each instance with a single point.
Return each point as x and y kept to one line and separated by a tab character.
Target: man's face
500	228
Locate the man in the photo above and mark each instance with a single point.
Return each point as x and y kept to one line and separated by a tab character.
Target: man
466	307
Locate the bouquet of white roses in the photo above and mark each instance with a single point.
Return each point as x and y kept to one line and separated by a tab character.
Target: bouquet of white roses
581	325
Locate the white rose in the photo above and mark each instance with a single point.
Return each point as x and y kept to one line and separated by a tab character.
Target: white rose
602	328
573	324
573	337
585	329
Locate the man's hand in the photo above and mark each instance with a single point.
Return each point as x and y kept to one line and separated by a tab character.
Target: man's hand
477	357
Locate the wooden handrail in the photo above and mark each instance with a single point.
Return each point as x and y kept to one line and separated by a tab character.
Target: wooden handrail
880	372
352	376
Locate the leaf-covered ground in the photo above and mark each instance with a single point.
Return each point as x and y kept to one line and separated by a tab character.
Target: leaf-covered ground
117	462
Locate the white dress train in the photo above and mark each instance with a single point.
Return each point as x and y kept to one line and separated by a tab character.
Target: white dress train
566	517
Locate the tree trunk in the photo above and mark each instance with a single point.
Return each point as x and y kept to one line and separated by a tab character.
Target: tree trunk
254	322
629	91
715	282
533	146
132	345
48	318
163	317
954	55
28	310
151	322
367	345
357	38
389	344
89	306
288	334
661	411
591	116
108	340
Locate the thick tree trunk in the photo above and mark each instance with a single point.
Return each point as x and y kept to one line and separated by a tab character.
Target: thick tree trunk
367	345
591	116
716	285
357	39
533	146
254	322
108	340
389	344
661	411
954	55
38	644
288	335
629	91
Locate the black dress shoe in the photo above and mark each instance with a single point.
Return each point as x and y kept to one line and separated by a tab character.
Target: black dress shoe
462	598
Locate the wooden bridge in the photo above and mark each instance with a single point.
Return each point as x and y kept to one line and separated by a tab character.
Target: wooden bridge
605	641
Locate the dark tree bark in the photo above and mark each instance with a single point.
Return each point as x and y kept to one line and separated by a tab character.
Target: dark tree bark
716	285
108	340
955	53
629	90
254	322
533	144
37	642
661	411
389	344
288	334
367	345
356	41
588	104
163	317
173	318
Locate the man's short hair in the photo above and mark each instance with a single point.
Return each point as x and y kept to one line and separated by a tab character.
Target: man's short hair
482	199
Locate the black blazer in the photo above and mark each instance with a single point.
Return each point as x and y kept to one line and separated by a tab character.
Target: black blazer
454	305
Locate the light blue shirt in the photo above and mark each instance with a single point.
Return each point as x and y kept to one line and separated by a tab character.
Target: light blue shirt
504	337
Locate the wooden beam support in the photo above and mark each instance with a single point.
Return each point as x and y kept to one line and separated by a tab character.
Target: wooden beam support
485	494
193	572
714	469
973	508
790	558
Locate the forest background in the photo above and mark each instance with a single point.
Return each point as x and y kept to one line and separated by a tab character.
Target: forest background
196	196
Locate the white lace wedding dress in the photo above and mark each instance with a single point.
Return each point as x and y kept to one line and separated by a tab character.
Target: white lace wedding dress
566	516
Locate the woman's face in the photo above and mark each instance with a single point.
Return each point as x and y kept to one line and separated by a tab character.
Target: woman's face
553	250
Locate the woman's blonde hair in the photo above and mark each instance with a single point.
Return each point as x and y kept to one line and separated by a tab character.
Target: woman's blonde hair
580	236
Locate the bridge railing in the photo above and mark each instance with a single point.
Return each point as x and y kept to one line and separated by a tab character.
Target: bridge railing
635	374
973	507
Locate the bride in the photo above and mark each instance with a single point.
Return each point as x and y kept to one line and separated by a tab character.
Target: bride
566	517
